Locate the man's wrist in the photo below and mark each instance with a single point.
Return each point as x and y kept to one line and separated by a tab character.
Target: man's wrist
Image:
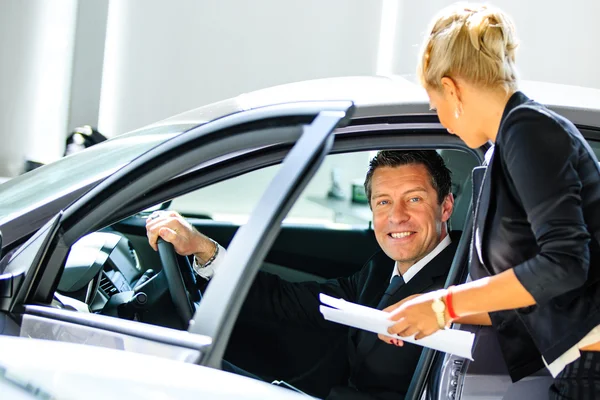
208	250
205	258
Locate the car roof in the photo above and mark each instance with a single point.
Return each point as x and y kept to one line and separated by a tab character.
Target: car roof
393	95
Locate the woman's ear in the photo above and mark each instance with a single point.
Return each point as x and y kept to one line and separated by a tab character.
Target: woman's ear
451	89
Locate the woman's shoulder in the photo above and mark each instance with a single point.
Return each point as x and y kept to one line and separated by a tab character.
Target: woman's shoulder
532	121
530	112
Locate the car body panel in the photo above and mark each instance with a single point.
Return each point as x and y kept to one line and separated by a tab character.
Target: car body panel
67	370
376	96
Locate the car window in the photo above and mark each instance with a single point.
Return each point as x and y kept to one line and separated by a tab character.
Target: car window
595	145
327	199
80	169
335	196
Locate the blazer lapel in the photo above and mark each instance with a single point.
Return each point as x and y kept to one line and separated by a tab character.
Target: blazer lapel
481	210
486	192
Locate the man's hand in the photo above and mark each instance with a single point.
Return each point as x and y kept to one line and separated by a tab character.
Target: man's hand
173	228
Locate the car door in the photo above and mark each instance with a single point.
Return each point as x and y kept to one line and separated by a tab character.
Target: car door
32	274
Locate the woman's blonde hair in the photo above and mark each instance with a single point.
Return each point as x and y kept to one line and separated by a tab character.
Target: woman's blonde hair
474	42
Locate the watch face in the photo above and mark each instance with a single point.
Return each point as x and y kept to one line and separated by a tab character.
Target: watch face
438	306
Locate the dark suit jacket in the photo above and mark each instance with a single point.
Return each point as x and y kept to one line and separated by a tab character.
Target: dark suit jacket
539	214
373	369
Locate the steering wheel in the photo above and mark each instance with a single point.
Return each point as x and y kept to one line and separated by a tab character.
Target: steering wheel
180	280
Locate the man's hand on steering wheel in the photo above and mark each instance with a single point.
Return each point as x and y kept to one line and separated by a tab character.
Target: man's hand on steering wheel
173	228
177	236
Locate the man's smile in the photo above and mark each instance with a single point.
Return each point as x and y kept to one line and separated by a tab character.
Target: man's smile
400	235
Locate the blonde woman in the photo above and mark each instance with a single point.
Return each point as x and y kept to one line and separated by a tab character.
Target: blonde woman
535	252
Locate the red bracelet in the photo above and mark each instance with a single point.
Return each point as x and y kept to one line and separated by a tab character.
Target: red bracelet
449	306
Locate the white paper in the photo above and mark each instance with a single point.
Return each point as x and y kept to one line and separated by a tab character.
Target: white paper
344	312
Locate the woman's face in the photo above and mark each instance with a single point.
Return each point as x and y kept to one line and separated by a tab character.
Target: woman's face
465	126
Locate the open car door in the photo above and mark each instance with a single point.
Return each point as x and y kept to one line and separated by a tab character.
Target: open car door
32	275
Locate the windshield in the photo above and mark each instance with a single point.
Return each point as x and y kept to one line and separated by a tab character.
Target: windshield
80	169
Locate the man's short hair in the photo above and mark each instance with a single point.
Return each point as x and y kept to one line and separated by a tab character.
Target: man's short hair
440	174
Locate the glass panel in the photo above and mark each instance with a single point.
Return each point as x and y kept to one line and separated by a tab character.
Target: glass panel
334	197
326	200
595	147
80	169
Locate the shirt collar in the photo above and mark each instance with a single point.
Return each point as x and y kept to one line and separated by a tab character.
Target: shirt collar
419	265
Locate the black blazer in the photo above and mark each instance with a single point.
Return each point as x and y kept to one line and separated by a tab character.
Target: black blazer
539	213
372	367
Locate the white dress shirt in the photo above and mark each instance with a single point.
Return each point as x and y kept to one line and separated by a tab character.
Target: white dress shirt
419	265
208	271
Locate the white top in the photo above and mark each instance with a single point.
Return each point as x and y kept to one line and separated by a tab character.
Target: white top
573	353
209	271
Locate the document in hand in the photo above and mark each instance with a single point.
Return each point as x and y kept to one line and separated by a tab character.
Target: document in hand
344	312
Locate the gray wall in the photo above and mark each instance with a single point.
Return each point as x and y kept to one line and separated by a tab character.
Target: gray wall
558	39
88	59
163	58
122	64
36	48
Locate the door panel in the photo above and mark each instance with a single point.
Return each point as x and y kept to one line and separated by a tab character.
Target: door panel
487	377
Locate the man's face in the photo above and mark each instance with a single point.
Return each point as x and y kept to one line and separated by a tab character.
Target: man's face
408	220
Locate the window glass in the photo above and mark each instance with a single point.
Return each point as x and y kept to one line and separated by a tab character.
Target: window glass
595	147
335	195
326	199
80	169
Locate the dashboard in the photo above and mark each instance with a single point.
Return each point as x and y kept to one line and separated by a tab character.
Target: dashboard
99	266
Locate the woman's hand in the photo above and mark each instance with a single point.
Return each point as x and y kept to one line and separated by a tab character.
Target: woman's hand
415	317
388	339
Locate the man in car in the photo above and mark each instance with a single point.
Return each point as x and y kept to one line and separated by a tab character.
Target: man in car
409	195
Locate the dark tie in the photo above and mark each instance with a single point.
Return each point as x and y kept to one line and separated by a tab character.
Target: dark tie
395	284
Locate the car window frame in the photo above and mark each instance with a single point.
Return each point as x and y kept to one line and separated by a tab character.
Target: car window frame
91	211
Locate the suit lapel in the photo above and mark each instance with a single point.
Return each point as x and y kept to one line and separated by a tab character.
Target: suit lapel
377	281
434	272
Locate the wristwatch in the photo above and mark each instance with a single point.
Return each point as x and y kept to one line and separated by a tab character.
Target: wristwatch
439	308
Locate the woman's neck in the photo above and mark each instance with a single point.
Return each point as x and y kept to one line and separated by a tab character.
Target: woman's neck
490	105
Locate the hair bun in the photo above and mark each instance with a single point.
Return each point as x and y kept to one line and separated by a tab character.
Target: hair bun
491	32
474	42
